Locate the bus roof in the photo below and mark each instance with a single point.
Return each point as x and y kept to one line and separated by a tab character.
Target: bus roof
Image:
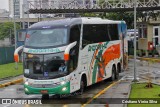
72	21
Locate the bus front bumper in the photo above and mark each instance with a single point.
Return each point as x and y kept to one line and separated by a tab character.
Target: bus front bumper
60	89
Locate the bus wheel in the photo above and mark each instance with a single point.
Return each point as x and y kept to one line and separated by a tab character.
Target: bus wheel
45	96
81	87
112	78
117	72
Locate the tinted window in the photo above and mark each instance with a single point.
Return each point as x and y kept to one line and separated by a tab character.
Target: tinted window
46	37
74	36
99	33
112	31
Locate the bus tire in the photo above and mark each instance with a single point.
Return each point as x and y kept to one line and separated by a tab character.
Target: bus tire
113	76
118	71
82	86
45	96
117	74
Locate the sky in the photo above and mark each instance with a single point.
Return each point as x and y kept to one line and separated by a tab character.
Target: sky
4	4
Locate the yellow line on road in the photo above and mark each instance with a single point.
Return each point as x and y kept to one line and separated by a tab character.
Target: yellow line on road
100	93
11	83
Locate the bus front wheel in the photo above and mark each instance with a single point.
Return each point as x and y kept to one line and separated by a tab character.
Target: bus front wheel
45	96
81	87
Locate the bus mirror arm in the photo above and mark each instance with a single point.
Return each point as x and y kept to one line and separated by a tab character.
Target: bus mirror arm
16	56
67	50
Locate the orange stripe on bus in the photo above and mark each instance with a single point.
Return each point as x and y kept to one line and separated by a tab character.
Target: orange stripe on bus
66	57
113	52
16	58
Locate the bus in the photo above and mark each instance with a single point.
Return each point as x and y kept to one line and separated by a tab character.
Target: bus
67	55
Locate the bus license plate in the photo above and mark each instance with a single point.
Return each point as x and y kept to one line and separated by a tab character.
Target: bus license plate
44	91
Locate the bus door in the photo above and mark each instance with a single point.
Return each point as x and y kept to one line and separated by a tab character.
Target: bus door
73	65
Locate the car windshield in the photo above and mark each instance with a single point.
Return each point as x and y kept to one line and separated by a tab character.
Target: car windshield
46	37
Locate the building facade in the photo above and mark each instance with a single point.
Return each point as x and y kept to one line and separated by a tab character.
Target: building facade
4	14
19	7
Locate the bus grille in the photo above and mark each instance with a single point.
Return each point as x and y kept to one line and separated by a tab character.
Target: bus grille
44	85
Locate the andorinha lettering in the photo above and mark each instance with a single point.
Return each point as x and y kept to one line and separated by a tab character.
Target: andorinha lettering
97	46
44	50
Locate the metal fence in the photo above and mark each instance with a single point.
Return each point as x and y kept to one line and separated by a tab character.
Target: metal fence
6	54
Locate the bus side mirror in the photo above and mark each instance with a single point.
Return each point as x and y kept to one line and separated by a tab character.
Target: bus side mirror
16	56
67	50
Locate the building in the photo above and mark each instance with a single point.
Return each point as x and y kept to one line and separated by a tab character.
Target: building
149	37
4	14
19	8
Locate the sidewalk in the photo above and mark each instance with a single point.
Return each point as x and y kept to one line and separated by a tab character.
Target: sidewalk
153	59
11	81
123	88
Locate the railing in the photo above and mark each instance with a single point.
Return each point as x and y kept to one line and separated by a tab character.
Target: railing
83	4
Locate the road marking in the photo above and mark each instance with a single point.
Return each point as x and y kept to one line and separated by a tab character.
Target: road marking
20	80
101	92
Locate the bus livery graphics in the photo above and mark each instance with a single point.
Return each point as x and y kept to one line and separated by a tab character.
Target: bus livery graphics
64	56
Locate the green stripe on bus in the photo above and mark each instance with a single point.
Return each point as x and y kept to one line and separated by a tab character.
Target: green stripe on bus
51	90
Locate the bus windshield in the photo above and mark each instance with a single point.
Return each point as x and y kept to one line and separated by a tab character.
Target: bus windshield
44	66
46	37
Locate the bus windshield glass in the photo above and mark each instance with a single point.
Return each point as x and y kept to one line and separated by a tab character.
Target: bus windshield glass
46	37
48	66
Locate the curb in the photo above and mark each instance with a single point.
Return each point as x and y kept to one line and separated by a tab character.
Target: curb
11	83
129	92
146	59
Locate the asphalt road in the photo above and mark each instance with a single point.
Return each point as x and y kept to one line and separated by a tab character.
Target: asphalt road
17	91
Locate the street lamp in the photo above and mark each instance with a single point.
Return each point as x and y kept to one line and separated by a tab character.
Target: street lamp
16	65
135	77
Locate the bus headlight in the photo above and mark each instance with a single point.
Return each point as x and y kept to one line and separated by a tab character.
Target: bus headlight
63	82
26	90
64	88
26	83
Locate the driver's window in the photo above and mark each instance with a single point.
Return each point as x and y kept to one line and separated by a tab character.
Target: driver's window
74	36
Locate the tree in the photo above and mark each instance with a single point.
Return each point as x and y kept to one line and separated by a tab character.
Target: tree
128	17
7	28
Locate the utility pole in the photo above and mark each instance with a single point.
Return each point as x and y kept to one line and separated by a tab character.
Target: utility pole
15	37
135	22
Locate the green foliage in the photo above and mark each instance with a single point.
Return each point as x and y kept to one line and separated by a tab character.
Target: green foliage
7	28
8	70
139	91
128	17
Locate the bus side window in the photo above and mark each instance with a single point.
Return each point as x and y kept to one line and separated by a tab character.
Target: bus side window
74	36
94	34
113	31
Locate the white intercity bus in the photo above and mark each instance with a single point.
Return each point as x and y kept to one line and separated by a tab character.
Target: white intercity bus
67	55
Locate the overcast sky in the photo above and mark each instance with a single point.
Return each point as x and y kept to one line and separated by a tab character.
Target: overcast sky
4	4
